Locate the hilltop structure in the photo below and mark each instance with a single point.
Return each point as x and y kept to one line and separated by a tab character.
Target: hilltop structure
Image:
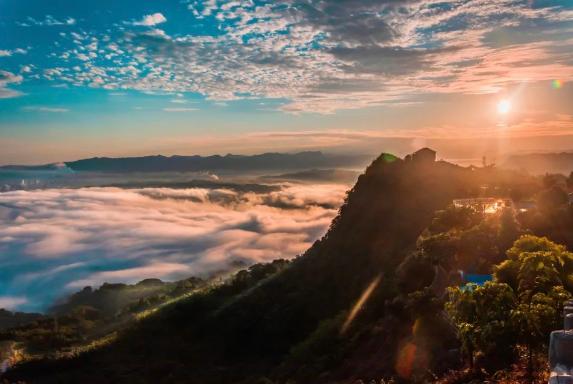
484	204
560	347
422	156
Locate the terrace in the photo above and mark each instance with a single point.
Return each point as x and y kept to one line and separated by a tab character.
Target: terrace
487	205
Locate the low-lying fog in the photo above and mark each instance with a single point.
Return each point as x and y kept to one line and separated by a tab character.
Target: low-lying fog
57	240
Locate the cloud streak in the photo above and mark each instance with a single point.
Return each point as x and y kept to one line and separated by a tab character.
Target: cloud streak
6	79
45	109
10	303
49	21
9	52
180	109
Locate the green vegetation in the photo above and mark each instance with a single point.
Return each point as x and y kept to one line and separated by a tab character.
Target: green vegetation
519	309
91	314
379	297
13	319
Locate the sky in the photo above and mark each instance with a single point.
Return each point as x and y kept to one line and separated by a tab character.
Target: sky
132	77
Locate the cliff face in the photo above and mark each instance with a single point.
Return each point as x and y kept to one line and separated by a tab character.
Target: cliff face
258	331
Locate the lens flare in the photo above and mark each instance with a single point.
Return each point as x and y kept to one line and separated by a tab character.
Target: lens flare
556	84
410	359
360	303
406	360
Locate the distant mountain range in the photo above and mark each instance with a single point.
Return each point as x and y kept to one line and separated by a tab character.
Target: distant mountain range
539	163
265	161
314	175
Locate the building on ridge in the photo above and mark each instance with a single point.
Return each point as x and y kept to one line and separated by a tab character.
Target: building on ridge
424	156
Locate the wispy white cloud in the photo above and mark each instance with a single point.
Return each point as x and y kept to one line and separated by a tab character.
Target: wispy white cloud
49	20
180	109
201	9
11	302
45	109
6	79
178	101
151	20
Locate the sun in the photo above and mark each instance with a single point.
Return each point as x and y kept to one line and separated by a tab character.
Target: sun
504	106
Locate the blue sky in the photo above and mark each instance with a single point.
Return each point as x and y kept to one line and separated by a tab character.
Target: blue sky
189	76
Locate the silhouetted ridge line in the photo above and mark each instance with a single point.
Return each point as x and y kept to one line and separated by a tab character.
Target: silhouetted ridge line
263	161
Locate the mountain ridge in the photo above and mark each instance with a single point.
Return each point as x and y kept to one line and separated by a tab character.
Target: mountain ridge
197	163
277	327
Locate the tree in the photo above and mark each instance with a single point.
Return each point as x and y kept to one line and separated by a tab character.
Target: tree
414	273
440	249
530	243
482	315
552	198
539	272
551	180
540	265
454	218
478	248
522	306
509	229
506	272
535	317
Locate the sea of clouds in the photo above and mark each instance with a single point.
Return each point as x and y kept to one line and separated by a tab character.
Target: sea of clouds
56	241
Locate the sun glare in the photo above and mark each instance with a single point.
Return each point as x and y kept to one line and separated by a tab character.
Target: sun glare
504	106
